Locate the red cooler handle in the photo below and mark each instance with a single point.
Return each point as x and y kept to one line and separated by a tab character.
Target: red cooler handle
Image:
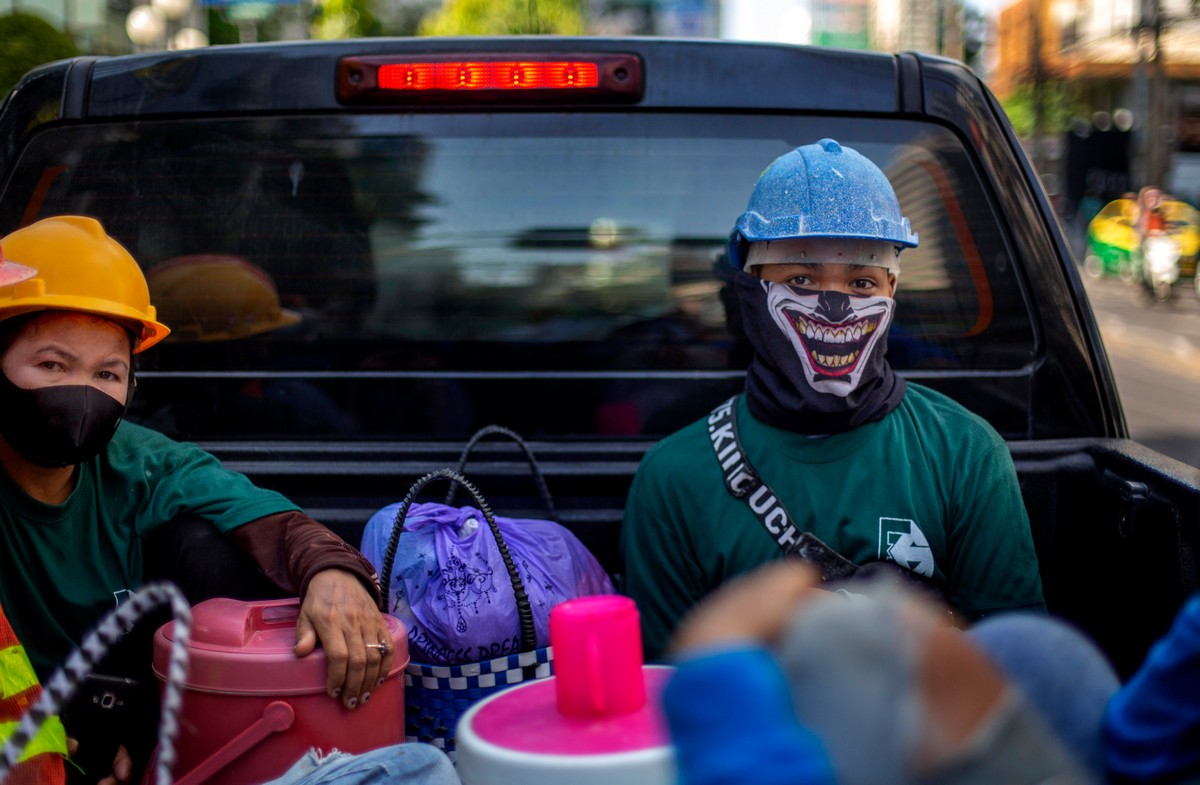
272	614
277	717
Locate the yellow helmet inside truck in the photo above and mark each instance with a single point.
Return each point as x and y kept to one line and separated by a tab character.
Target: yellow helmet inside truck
214	297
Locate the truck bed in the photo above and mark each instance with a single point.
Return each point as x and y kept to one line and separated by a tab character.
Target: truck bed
1114	523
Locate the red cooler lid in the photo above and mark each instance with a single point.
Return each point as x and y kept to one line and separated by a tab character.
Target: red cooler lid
241	647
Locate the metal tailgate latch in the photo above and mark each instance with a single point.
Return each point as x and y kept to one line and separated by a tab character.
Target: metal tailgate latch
1134	496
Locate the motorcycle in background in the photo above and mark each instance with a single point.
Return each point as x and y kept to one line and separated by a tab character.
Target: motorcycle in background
1115	235
1160	266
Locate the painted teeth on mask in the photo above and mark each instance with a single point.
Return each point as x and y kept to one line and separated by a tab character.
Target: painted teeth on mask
827	334
835	360
839	334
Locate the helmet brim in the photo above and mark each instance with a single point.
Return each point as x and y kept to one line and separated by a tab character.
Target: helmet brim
150	332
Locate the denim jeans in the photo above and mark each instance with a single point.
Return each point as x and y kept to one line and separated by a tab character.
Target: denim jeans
400	764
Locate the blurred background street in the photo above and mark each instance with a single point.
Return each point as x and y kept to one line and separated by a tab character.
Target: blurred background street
1155	353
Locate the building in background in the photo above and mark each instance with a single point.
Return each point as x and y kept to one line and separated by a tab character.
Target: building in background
109	27
1130	67
842	23
87	21
932	26
780	21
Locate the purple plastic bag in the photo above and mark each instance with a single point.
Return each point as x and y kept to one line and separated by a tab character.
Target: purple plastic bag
451	589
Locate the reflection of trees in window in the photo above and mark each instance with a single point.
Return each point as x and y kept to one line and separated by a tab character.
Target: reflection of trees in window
391	173
291	207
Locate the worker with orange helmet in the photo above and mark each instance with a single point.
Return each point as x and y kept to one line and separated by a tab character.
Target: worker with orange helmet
80	487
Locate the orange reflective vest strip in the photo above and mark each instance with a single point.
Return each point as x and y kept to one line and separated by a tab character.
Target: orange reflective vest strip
50	738
19	689
16	675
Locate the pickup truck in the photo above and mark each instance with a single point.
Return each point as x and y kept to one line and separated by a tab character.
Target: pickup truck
369	249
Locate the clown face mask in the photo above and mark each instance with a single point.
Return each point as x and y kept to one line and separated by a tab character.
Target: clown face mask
837	336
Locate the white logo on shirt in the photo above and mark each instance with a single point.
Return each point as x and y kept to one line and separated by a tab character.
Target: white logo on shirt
120	597
905	544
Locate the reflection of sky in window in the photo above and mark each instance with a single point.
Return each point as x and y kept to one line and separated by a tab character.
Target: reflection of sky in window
499	187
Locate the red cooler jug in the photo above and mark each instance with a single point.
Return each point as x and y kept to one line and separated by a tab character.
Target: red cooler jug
251	708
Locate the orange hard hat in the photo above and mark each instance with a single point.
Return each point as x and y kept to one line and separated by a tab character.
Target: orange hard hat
214	297
79	268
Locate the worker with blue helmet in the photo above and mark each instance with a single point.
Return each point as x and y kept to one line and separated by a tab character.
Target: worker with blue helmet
821	190
825	218
828	454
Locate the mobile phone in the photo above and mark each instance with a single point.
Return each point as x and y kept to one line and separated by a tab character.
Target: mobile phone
99	716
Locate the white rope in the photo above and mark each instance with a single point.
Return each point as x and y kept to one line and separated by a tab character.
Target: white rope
61	686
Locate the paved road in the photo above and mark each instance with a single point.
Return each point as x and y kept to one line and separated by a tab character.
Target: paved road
1154	350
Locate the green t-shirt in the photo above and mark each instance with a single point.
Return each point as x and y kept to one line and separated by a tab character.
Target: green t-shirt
931	486
63	567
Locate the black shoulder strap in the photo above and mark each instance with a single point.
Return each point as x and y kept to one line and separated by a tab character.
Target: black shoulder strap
743	482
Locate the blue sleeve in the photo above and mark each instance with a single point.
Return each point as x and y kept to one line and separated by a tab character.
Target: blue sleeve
1152	726
733	723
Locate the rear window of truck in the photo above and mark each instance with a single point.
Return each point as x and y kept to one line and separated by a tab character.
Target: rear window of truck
558	273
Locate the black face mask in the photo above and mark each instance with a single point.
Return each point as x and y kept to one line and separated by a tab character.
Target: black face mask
805	381
57	426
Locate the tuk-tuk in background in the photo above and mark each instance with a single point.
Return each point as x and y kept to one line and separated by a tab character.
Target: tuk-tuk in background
1114	240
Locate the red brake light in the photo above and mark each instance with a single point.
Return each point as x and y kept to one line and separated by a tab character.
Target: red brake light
529	78
488	76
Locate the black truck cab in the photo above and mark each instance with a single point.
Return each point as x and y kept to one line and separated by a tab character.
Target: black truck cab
369	249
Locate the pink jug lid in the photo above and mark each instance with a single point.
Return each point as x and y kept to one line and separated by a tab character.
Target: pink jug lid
246	648
526	719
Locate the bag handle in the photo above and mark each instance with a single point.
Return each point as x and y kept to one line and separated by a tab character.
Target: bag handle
524	611
539	479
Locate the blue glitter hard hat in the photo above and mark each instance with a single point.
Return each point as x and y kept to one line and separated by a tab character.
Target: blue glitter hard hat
820	190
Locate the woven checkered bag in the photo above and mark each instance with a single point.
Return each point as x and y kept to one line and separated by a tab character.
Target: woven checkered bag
435	696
